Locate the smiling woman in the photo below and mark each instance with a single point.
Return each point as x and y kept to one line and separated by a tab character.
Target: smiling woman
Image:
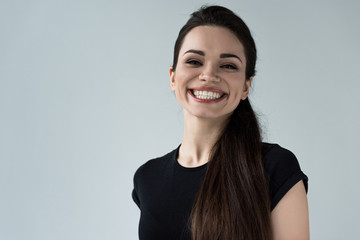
222	182
214	69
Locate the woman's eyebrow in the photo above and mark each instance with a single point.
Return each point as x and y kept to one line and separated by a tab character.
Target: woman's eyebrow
229	55
195	51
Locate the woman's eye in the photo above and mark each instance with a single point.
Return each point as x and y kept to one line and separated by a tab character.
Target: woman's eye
194	62
229	66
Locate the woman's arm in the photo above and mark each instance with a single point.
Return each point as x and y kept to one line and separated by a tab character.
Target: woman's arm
290	218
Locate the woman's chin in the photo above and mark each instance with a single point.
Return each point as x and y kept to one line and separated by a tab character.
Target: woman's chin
207	115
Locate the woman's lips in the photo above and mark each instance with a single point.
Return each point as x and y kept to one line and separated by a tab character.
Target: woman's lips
208	95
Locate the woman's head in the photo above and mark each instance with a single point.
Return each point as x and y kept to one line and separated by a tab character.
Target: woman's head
222	17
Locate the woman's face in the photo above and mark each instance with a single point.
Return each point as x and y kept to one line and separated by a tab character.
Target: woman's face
209	80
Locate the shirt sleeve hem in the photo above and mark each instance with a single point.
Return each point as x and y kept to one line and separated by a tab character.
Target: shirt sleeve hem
287	186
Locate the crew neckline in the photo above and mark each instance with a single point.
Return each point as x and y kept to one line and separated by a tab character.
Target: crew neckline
183	168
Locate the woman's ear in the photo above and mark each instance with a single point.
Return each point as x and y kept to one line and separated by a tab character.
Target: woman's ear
246	89
172	79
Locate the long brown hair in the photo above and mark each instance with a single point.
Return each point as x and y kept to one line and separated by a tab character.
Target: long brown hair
233	201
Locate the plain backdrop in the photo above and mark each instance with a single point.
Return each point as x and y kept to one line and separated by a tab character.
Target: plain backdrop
85	99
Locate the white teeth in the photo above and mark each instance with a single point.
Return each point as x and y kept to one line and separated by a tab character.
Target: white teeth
206	94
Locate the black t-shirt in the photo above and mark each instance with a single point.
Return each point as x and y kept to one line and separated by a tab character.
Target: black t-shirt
165	191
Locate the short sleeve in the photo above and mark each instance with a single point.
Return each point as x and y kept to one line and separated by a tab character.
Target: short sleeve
134	194
283	171
135	198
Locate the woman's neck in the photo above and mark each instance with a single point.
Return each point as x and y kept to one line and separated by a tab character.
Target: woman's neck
200	135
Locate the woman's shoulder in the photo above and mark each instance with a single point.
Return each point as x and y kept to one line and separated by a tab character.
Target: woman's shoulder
282	169
156	165
275	155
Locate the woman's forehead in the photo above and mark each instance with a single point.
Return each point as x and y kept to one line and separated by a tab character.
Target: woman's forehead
212	38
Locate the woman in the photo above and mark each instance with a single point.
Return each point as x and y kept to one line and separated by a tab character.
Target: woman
222	182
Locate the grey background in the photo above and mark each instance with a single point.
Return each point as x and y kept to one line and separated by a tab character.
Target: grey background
85	100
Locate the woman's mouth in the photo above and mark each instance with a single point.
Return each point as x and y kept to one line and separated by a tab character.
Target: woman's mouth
206	95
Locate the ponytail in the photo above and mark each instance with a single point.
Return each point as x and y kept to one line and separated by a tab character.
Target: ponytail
233	201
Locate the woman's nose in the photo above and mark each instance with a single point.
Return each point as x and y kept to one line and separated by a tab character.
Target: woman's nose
209	73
